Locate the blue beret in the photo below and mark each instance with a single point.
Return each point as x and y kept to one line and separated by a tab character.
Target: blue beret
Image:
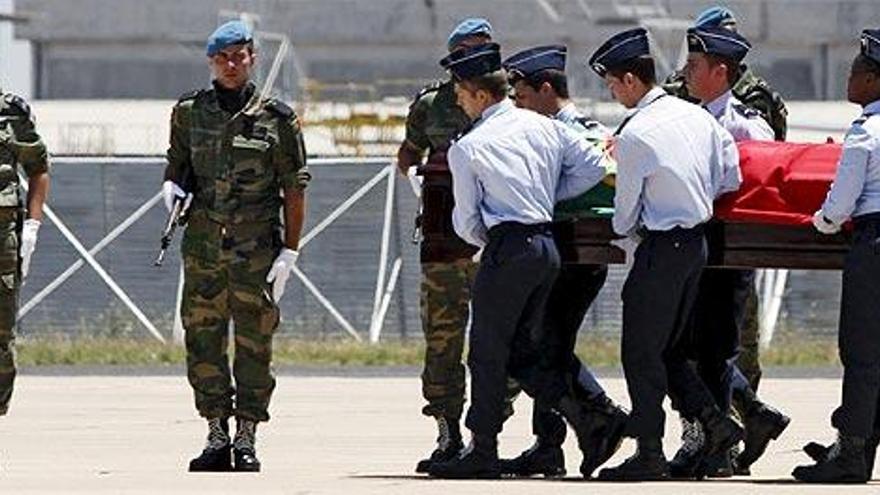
718	41
528	62
871	44
620	48
474	61
474	26
716	17
230	33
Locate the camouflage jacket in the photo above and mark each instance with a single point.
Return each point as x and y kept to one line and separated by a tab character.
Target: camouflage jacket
20	145
752	90
435	119
239	163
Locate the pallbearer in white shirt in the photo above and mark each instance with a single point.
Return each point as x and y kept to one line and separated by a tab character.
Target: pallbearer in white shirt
713	65
855	195
673	160
540	84
508	172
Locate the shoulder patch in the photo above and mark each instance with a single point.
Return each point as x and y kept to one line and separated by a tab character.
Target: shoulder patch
746	111
190	95
16	105
279	108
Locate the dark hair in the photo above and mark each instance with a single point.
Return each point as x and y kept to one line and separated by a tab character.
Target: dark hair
554	77
495	83
731	64
866	64
642	67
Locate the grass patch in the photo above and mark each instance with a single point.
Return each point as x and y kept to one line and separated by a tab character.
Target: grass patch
597	351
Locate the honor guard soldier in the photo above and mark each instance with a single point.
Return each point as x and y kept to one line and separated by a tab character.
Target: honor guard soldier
855	195
243	161
673	161
715	55
540	84
21	150
447	268
508	172
756	93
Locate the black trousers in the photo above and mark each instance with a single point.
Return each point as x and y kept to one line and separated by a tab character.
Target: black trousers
574	291
658	297
859	337
517	271
718	319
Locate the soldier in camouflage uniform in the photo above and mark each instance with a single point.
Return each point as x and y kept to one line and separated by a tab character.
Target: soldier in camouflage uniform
20	146
434	120
243	161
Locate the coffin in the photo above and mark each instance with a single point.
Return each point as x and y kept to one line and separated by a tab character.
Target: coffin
766	224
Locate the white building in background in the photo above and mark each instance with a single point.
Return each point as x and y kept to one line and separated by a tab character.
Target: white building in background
16	56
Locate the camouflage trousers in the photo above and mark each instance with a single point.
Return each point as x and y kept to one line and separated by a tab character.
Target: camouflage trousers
9	285
225	279
748	361
445	297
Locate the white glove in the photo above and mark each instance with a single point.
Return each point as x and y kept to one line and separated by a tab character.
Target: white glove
415	181
280	271
28	244
171	191
478	255
823	225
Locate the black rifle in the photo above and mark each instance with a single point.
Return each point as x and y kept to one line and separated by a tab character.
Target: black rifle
176	218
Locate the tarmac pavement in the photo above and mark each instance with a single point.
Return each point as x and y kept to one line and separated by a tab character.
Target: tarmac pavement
329	434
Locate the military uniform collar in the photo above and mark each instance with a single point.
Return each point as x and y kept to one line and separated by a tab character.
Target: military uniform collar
650	97
498	108
718	106
872	108
568	112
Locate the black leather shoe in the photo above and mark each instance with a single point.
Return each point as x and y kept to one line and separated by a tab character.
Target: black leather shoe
761	425
599	426
844	464
647	464
246	460
718	466
480	461
449	444
539	459
212	460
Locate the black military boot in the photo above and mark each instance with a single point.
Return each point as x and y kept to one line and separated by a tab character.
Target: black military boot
244	446
599	425
478	461
647	464
721	434
844	464
685	461
449	444
216	457
541	458
819	452
762	424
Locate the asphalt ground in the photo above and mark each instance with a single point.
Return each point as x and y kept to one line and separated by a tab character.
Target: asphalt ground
132	431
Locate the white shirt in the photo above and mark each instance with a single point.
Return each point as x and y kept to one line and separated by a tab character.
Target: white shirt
744	123
673	161
513	166
856	187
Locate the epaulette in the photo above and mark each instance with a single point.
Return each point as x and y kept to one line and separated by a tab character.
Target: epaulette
587	123
15	105
431	88
190	95
279	108
861	120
